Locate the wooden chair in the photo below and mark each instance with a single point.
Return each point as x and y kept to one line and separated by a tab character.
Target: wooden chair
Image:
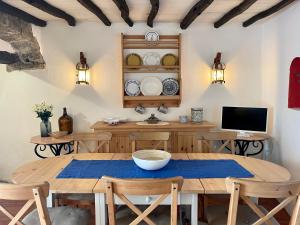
289	192
206	142
82	142
161	187
207	139
150	136
99	138
35	196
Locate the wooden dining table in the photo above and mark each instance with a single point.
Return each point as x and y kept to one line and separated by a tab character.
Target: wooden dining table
48	169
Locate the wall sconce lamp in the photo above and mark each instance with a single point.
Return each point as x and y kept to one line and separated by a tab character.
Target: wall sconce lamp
83	73
218	70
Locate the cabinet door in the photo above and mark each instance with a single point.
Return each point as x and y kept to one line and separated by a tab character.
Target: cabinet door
120	143
186	142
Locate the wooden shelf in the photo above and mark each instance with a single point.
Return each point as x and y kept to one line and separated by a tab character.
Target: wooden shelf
152	101
151	69
139	42
151	98
150	47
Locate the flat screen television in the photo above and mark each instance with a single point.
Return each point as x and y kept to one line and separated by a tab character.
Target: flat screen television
245	119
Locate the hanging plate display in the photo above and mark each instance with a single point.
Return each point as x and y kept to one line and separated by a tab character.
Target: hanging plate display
169	60
132	87
151	59
133	59
170	86
151	86
152	36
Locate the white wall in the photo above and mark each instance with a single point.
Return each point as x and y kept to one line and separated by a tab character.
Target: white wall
280	44
61	45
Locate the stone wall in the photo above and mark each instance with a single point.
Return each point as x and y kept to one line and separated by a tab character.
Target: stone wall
19	34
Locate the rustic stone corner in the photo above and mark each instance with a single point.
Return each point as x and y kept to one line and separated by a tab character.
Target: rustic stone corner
19	34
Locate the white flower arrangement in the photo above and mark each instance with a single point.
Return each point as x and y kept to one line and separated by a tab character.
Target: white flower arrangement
43	111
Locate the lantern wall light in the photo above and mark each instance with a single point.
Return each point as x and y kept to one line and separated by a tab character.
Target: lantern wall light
83	73
218	70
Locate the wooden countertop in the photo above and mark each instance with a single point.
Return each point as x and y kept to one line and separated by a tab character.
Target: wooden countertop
172	125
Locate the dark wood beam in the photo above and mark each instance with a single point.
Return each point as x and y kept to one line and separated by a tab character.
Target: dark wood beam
194	12
122	5
153	12
46	7
242	7
8	58
88	4
268	12
6	8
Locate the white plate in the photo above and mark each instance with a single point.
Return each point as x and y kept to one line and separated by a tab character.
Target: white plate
152	36
151	59
118	119
132	87
151	86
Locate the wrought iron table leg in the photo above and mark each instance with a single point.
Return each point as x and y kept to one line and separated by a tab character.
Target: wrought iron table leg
244	145
41	148
55	149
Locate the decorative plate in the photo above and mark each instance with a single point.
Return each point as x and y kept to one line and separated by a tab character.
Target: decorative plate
133	59
152	36
151	86
169	60
132	87
170	86
151	59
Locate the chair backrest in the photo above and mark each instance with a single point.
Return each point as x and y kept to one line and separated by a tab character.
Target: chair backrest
100	139
288	191
34	194
161	187
208	138
158	137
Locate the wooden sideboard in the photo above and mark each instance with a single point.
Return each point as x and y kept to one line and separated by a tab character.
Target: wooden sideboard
182	135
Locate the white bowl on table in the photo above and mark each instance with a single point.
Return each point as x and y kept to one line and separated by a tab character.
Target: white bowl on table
151	159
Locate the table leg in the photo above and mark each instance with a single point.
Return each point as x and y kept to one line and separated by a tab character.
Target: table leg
100	209
194	210
244	146
50	199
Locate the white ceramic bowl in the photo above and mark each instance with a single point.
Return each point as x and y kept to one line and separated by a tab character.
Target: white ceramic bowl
151	159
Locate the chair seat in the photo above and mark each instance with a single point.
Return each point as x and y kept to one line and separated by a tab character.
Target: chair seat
82	197
60	216
218	215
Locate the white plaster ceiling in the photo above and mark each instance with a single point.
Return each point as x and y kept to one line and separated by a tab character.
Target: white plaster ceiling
170	10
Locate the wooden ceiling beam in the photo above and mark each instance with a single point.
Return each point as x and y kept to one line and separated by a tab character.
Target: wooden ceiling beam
268	12
242	7
93	8
153	12
13	11
8	58
50	9
122	5
194	12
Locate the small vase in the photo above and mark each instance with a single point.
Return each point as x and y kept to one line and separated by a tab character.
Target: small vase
65	122
45	128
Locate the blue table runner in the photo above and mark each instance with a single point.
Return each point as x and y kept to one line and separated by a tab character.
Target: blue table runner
189	169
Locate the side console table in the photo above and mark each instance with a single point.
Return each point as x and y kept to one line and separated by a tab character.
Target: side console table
255	142
55	145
